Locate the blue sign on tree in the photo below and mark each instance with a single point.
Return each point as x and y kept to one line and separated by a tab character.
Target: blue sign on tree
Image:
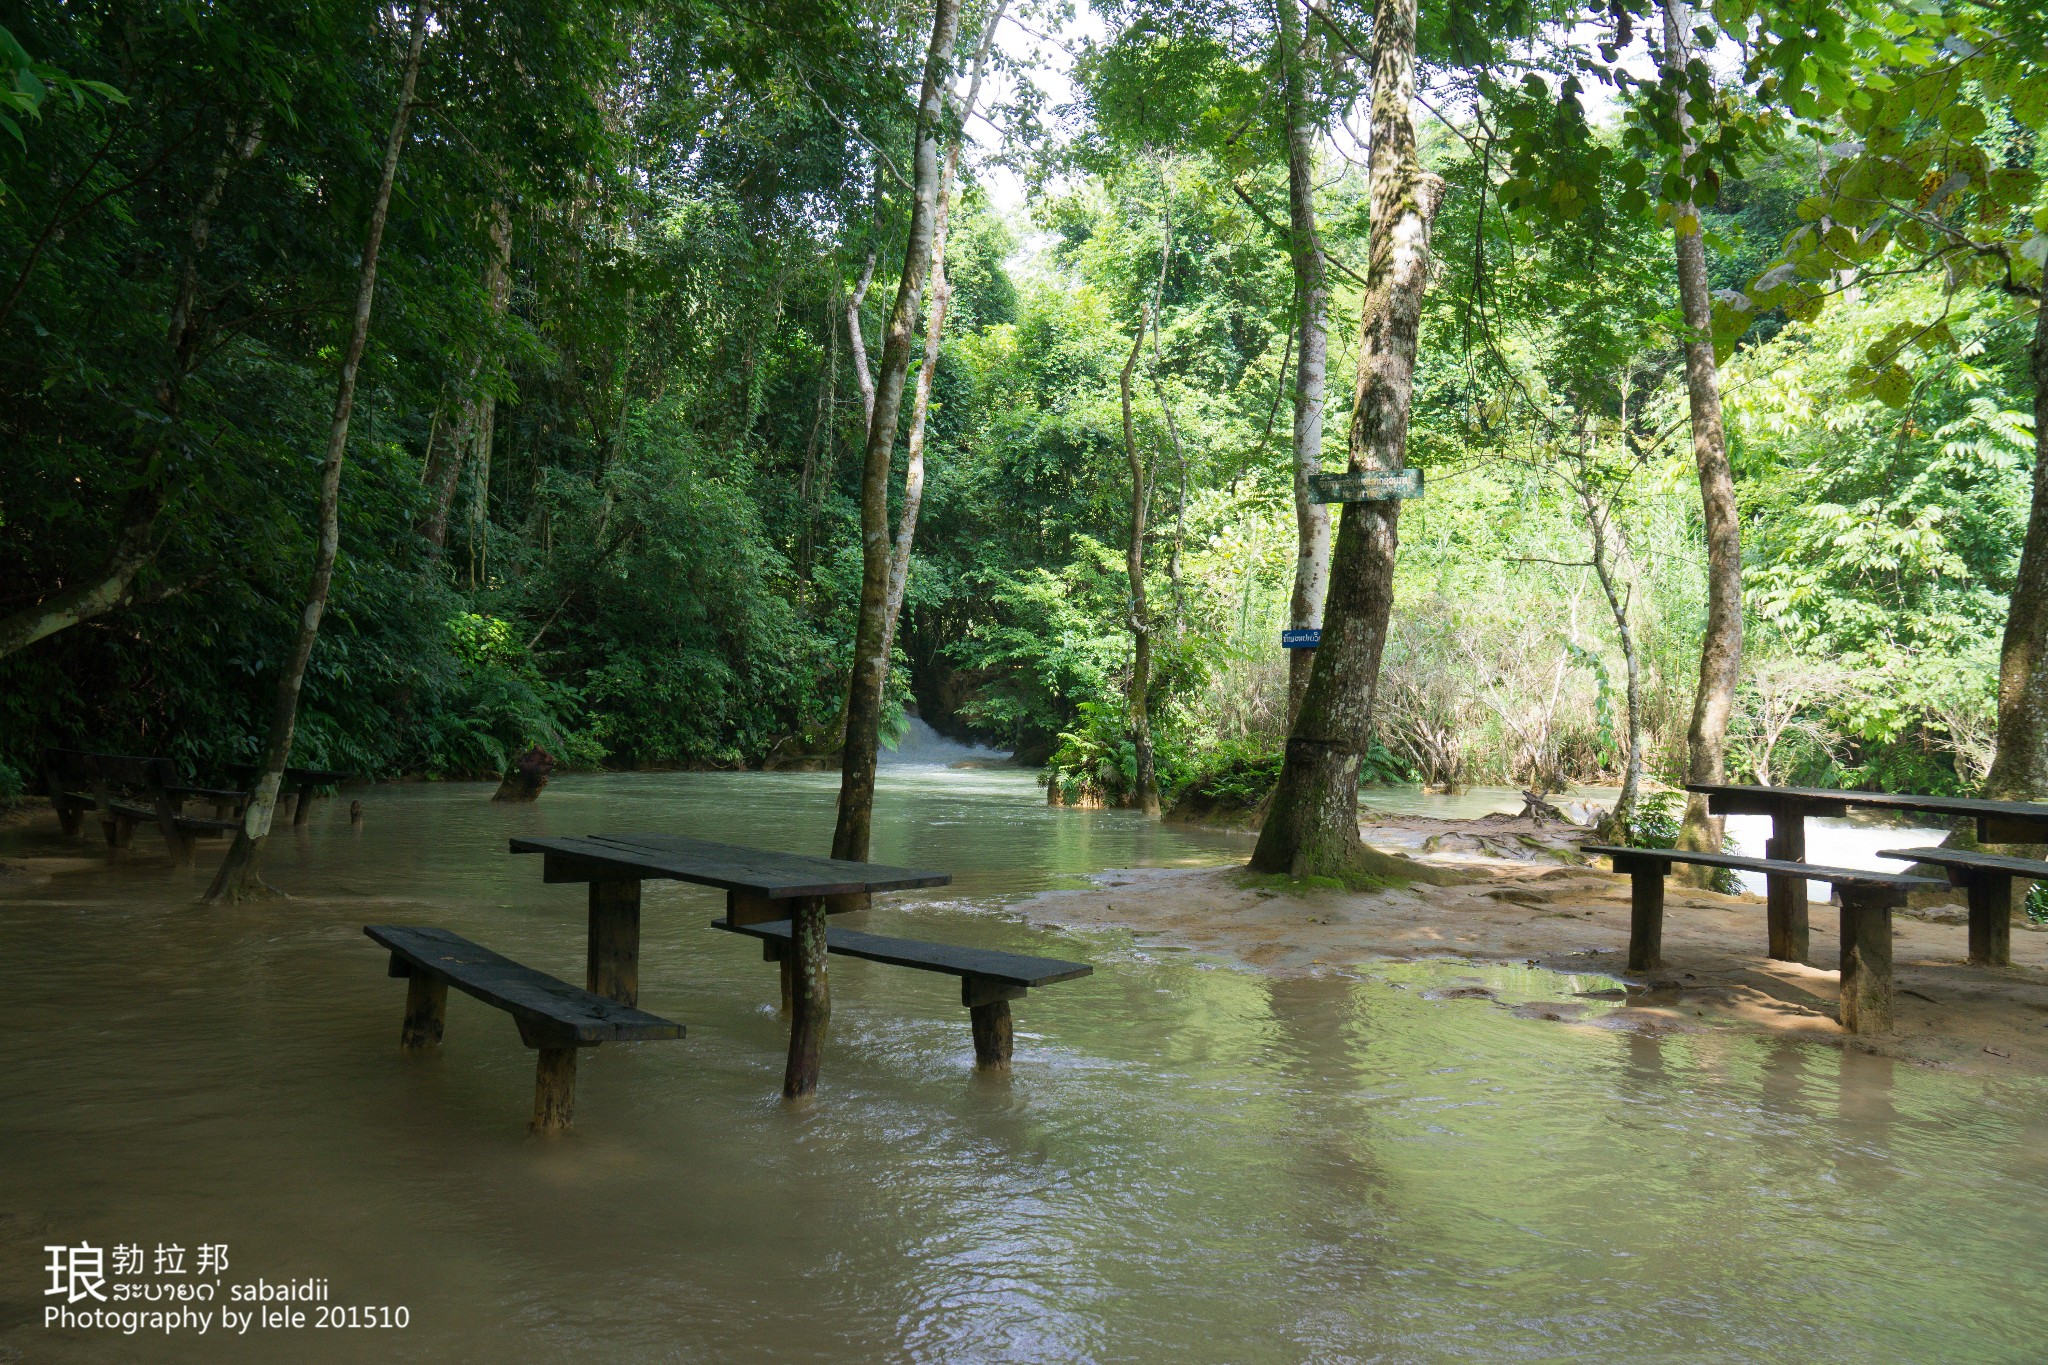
1300	639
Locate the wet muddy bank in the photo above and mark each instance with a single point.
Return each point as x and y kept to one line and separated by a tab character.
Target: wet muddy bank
1576	919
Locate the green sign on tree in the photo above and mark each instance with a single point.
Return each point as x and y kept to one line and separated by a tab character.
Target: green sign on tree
1365	485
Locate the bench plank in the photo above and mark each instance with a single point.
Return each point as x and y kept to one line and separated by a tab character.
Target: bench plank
1986	879
1837	876
1966	860
1009	969
207	793
520	990
730	867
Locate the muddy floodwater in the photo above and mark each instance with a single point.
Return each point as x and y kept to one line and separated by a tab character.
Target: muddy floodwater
1189	1162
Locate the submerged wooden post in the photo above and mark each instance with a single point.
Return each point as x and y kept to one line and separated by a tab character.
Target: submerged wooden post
1867	958
1786	896
988	1010
426	1011
1990	896
774	950
554	1089
303	807
1645	911
810	995
614	951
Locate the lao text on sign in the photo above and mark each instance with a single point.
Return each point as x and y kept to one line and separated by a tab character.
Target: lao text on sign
1365	485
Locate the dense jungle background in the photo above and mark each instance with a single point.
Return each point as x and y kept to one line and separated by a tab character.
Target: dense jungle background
602	484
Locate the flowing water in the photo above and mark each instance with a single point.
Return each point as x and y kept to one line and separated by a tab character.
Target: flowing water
1189	1162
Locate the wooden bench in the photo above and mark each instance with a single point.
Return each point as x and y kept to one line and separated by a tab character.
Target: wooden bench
554	1017
1998	822
124	791
1868	899
1986	880
989	980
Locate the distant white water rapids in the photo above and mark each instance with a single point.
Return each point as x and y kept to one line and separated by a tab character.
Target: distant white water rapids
1189	1163
923	747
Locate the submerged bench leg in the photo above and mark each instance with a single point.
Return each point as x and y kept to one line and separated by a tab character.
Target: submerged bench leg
1786	896
988	1008
426	1012
554	1073
182	847
70	819
774	951
554	1089
614	966
1866	964
1990	920
1646	916
810	996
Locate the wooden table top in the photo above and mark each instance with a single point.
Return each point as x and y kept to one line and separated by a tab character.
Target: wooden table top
733	867
1736	799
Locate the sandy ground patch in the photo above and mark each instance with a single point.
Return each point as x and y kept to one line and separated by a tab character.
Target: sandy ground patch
1949	1014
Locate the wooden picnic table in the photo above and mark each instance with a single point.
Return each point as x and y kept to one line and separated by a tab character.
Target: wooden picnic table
300	780
1998	822
760	887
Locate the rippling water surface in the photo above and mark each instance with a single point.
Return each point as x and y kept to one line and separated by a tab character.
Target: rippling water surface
1189	1163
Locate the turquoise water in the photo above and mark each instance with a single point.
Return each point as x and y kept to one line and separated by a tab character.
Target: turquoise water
1188	1162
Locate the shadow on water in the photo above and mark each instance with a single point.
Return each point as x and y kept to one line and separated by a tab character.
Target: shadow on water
1188	1162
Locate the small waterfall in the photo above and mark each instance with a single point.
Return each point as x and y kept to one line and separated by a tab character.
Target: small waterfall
924	747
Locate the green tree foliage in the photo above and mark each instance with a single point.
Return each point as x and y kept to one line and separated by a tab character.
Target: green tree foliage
638	569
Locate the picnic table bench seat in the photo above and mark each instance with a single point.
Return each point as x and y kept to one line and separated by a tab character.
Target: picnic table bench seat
1868	899
554	1017
989	979
1986	880
126	790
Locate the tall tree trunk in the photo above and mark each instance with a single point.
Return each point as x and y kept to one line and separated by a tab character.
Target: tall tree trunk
470	443
445	453
237	870
1721	650
1166	417
858	345
1147	778
1608	551
1311	311
870	661
934	331
2020	769
1311	826
811	490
